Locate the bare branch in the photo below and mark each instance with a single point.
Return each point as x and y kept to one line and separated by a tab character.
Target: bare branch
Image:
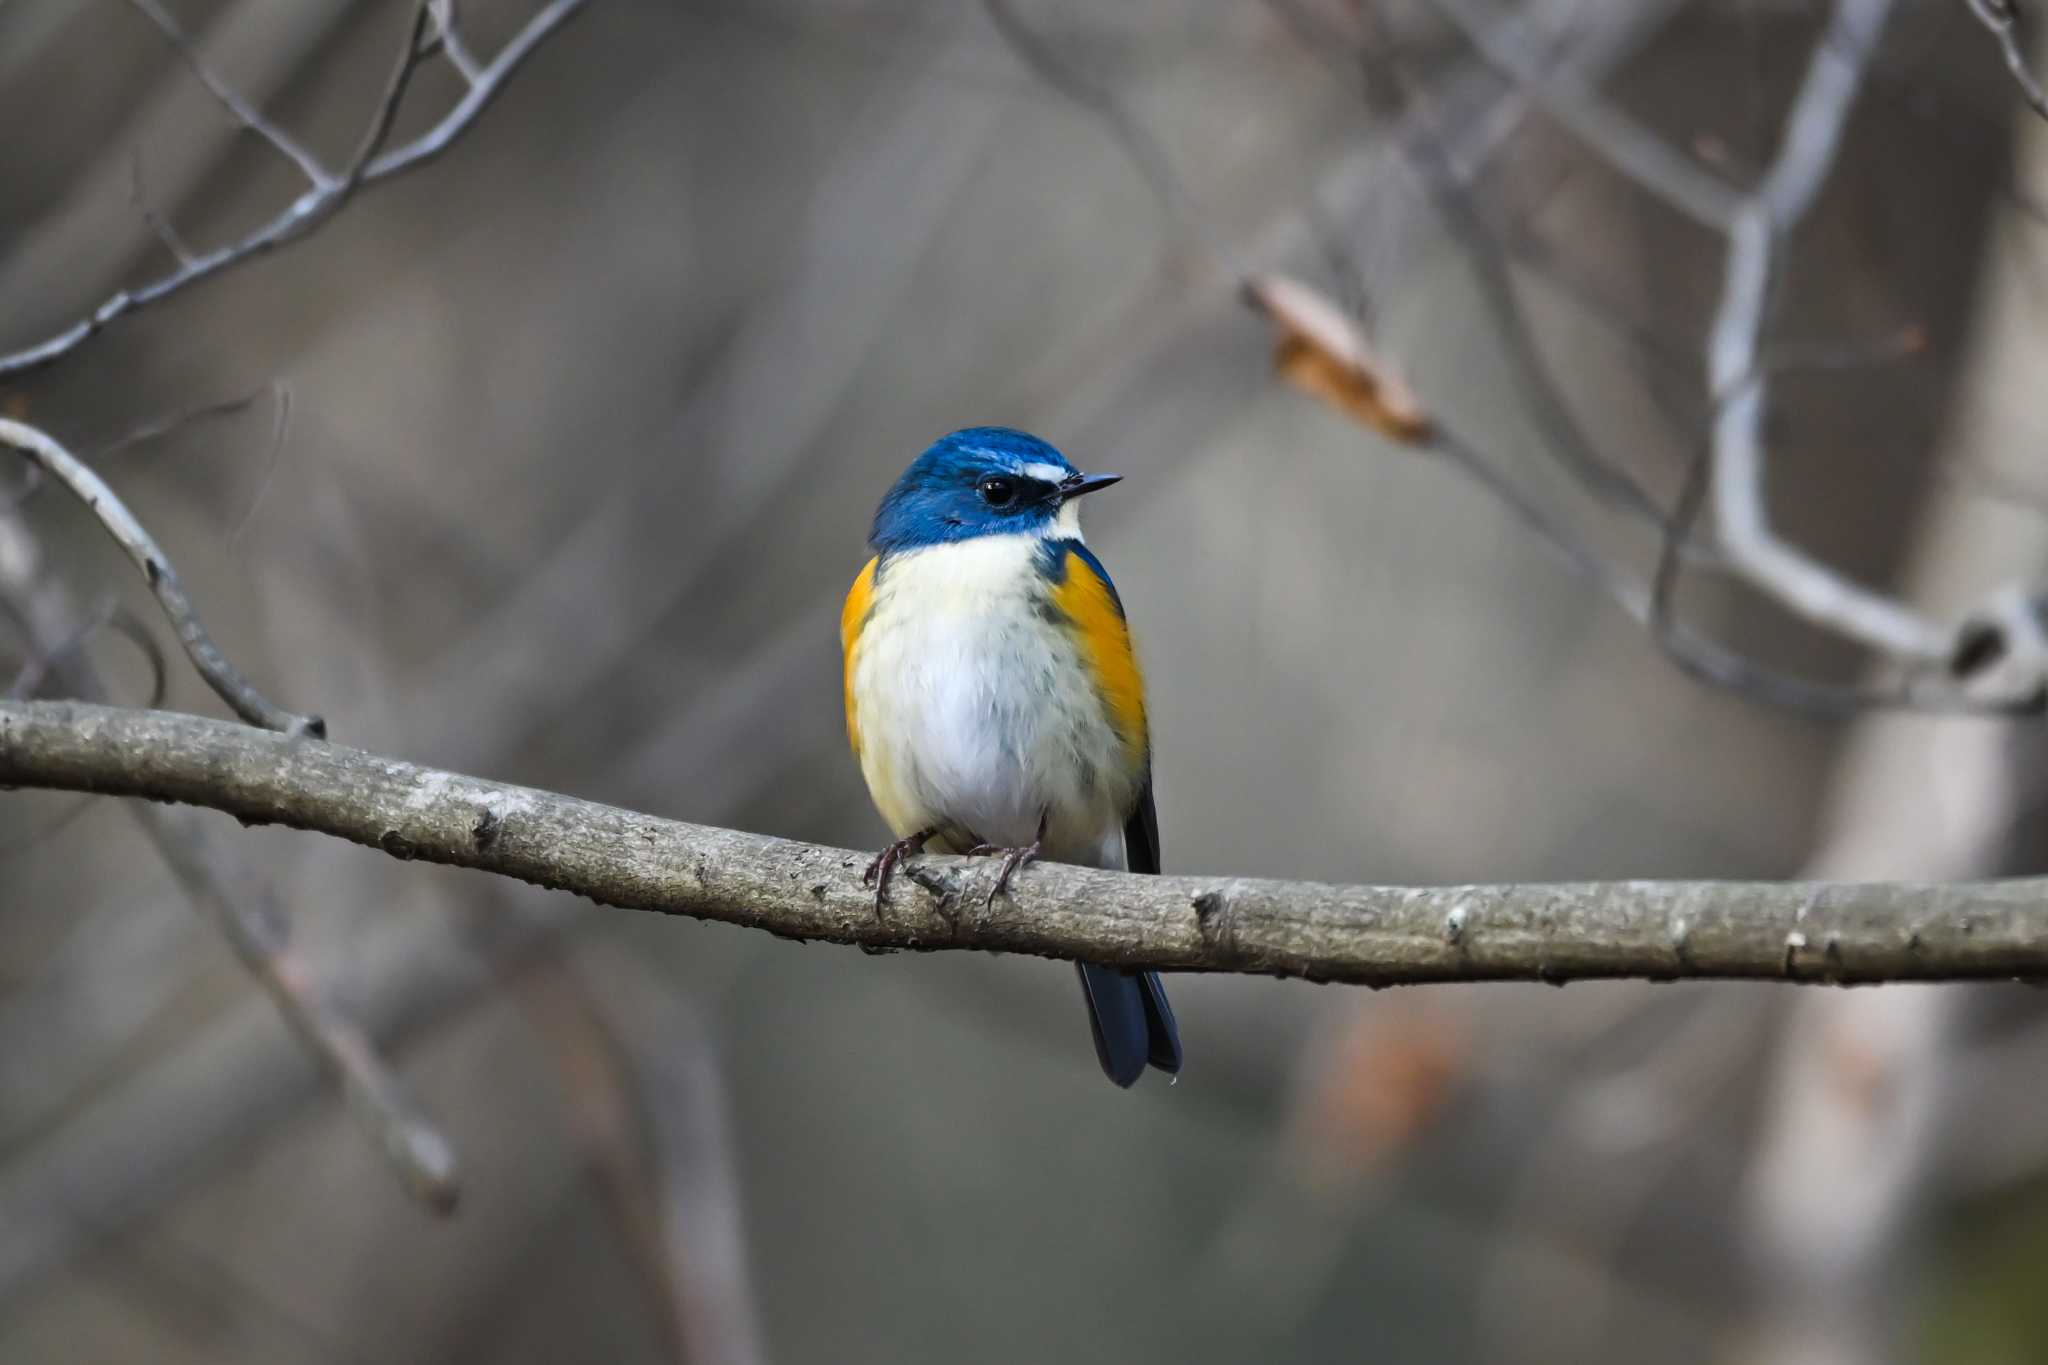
650	1109
320	203
222	676
448	39
1134	137
1812	134
2001	17
490	83
231	99
1637	153
48	657
158	224
379	1102
1428	153
158	427
1816	932
400	80
416	1150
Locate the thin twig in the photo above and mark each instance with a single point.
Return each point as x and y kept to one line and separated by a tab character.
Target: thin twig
1427	150
377	1099
395	86
156	428
1806	153
449	41
158	224
2001	17
1133	136
649	1105
1381	935
1646	159
231	99
280	430
48	658
1710	662
313	208
227	681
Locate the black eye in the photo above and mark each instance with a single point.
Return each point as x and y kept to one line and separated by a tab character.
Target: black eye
997	492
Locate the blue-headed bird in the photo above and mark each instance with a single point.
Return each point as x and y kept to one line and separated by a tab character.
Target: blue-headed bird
994	700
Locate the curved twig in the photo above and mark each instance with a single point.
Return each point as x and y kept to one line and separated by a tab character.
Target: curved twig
222	676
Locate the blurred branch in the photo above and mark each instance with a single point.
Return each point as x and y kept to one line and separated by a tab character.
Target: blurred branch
649	1106
1636	152
1429	153
1323	350
1322	353
221	675
228	97
1994	663
329	190
136	1142
1739	380
2001	17
1378	935
47	657
421	1156
1740	386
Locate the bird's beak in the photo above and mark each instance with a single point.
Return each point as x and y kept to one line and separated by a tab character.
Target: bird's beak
1074	485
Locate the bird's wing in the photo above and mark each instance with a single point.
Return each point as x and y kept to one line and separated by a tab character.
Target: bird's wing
1141	834
853	616
1083	593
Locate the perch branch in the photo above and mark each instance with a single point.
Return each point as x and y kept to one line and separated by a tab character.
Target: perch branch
1824	932
223	677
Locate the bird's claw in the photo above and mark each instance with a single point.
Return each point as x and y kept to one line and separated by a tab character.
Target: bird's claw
885	863
1013	858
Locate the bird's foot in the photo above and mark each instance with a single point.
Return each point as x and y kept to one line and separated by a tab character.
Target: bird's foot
1013	858
885	862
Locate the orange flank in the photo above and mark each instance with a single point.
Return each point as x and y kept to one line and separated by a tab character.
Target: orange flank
1088	603
859	601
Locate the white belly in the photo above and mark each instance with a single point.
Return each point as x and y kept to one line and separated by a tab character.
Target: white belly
977	713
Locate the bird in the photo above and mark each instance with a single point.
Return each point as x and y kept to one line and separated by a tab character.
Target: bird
993	698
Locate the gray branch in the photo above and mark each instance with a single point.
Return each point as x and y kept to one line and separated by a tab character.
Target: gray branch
327	191
222	676
1623	143
1813	132
1823	932
2001	19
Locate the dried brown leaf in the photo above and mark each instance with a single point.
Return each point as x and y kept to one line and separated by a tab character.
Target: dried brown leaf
1321	351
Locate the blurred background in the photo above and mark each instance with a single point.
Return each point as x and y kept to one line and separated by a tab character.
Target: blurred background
559	455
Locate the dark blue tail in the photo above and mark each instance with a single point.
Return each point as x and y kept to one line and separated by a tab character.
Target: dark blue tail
1132	1022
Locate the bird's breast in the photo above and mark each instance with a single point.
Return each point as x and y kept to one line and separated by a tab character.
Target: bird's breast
975	704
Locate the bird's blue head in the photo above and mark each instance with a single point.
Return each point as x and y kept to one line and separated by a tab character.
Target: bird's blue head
983	481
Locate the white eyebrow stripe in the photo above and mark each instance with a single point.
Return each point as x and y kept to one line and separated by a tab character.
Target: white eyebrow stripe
1048	473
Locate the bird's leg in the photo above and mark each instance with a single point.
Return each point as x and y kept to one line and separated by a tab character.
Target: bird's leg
885	862
1013	858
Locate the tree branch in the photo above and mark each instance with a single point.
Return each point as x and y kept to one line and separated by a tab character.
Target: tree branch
1813	133
232	686
1609	133
1828	932
327	192
2001	19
